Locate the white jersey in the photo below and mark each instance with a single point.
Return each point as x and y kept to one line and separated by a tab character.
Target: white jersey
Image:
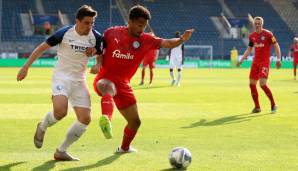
176	56
72	59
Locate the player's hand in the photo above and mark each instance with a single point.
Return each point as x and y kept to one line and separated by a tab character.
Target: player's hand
278	64
238	64
90	51
95	68
187	34
22	73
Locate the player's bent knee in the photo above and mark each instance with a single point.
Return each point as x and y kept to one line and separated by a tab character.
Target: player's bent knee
106	87
85	120
137	123
59	114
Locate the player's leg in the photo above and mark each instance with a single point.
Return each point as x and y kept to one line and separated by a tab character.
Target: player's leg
75	131
294	67
179	72
151	66
133	123
253	79
60	106
143	76
263	84
254	95
172	66
108	90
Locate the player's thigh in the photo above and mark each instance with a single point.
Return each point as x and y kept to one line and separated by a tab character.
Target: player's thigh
60	94
60	106
254	72
83	114
80	96
264	71
131	115
105	86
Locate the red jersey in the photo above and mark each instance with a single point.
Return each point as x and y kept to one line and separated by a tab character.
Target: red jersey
123	53
262	43
294	50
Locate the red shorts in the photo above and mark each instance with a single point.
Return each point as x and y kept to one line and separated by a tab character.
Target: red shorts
124	94
150	62
295	63
258	71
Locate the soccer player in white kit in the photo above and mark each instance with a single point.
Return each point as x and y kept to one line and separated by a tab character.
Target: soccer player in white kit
76	44
176	56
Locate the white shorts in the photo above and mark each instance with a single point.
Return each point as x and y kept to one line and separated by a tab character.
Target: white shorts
175	62
77	92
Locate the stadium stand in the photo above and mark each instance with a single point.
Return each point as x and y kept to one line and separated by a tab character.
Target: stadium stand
168	17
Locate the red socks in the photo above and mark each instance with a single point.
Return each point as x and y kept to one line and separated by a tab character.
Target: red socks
128	136
269	94
254	95
143	74
151	75
107	105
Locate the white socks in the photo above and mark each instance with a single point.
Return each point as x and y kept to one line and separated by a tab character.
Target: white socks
172	75
73	134
178	76
48	121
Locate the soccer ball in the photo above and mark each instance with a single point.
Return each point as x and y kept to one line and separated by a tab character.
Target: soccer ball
180	158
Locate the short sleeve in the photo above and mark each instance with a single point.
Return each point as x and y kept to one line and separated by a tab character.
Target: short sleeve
155	41
271	37
57	37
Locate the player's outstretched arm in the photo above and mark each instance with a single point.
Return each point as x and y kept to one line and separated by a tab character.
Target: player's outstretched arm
38	51
95	68
278	55
245	55
171	43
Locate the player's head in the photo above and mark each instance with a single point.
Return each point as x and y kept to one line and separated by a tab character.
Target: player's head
138	20
177	34
295	40
85	17
258	23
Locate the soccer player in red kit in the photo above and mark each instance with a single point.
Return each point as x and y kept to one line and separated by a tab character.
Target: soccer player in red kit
294	51
124	50
261	40
149	60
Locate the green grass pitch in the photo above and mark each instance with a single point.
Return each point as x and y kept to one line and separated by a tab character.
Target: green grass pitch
209	114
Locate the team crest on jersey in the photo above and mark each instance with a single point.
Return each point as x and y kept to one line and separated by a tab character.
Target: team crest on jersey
136	44
262	38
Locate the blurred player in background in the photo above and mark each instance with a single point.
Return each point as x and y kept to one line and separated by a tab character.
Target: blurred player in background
124	50
294	54
261	40
76	43
149	60
176	56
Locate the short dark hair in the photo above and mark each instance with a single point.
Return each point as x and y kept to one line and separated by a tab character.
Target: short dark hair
139	11
177	34
85	11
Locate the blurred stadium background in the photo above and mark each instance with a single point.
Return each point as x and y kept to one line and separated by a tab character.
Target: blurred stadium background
221	25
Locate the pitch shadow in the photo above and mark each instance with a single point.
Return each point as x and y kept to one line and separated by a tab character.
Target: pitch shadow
105	161
226	120
171	169
150	87
9	166
48	165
